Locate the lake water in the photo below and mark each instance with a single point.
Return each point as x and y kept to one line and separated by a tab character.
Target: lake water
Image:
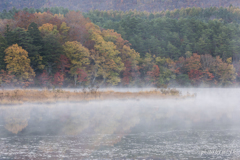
204	127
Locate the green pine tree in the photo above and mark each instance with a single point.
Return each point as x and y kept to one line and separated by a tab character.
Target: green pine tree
52	49
26	41
3	46
35	34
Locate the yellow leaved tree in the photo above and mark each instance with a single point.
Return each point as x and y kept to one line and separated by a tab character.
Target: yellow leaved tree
79	58
18	64
48	28
64	29
129	57
107	62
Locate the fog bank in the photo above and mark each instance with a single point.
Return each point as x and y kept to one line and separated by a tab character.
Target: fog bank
140	128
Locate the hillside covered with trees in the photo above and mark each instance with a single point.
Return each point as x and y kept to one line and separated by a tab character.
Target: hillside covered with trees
57	47
124	5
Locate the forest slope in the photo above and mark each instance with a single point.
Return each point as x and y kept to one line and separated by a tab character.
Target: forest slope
191	46
124	5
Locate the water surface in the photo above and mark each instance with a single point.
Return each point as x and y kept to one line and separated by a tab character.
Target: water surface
204	127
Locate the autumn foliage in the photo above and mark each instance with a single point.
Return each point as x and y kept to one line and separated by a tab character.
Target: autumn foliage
58	79
154	74
195	75
6	78
18	64
69	50
44	79
82	75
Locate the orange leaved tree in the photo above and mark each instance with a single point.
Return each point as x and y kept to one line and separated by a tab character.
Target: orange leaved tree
154	74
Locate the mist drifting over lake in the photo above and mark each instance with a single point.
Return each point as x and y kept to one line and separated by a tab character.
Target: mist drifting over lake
206	126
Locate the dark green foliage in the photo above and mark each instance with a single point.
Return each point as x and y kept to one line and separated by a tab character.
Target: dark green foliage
9	14
3	46
28	40
37	45
35	34
183	80
227	15
24	39
166	35
52	49
21	37
9	36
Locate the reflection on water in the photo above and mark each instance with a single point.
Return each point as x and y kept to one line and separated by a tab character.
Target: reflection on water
207	126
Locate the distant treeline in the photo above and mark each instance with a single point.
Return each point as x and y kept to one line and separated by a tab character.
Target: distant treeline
124	5
54	10
66	49
228	15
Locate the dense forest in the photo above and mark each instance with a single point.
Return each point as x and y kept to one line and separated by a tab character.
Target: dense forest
172	33
58	47
124	5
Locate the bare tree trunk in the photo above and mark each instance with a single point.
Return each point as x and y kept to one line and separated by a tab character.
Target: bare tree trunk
75	79
93	79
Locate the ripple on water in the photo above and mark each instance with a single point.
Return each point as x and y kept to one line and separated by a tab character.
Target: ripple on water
178	144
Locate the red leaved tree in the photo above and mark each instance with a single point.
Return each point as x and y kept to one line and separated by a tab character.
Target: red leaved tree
180	65
154	74
82	76
24	19
131	73
58	79
42	18
6	78
195	76
56	21
193	63
207	76
77	23
45	79
64	64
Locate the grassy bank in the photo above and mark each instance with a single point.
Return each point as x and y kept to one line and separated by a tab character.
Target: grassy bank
51	96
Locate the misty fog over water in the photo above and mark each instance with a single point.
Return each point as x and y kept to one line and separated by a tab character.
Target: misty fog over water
203	127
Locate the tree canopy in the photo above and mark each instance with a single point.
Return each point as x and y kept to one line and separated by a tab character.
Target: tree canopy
122	48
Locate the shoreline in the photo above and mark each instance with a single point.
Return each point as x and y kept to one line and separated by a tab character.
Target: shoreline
19	97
